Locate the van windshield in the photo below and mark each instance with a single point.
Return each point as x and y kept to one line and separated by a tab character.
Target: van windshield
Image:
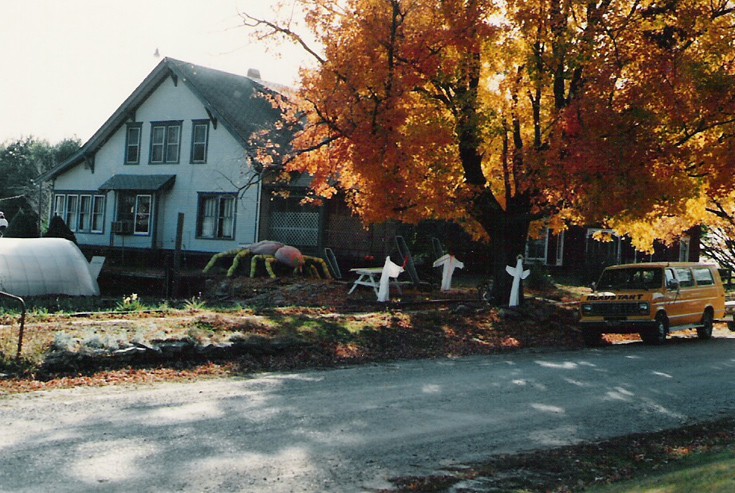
631	278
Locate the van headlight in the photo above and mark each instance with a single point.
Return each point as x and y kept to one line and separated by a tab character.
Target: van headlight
586	309
644	308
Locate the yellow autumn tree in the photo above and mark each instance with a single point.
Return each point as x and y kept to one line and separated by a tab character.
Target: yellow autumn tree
494	115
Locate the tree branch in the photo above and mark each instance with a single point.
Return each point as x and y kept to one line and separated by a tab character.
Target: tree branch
254	22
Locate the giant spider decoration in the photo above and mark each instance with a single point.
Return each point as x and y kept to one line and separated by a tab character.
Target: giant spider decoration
270	252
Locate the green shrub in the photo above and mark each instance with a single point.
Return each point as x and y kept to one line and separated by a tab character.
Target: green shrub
57	228
539	278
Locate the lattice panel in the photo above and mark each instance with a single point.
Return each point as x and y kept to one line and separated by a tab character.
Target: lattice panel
347	233
295	228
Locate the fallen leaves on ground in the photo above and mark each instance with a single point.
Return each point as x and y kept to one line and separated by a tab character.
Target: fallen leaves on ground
327	327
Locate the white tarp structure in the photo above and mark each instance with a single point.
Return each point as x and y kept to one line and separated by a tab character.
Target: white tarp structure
44	266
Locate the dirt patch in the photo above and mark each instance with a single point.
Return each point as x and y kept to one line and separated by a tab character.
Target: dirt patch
335	295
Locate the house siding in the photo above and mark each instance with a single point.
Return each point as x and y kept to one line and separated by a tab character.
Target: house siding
223	172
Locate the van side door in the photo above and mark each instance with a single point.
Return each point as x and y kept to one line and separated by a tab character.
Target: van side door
688	300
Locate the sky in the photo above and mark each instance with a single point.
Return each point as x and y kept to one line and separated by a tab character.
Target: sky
69	64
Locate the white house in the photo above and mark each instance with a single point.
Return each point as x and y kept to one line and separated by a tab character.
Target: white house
180	143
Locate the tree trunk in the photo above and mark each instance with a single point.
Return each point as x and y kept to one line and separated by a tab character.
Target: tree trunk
508	241
508	231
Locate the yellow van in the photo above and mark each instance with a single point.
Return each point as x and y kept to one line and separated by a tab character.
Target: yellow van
653	299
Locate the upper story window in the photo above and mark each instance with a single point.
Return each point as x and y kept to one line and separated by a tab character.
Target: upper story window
165	142
199	141
132	143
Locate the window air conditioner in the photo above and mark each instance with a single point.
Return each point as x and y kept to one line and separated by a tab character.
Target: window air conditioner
122	227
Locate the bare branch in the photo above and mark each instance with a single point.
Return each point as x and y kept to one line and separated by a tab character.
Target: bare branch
254	22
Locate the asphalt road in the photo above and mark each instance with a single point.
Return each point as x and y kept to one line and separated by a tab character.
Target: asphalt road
352	429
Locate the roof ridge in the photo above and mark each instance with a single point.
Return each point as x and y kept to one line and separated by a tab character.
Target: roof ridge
228	96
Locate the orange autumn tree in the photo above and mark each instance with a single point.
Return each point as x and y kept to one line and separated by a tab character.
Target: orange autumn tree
494	115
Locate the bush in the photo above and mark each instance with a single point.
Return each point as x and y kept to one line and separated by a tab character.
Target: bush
57	228
23	225
539	278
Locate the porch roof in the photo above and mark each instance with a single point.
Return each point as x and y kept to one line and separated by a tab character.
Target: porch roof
139	183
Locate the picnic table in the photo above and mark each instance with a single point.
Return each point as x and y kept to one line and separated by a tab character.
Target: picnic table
370	277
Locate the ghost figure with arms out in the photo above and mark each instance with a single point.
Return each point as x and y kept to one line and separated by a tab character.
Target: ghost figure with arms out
390	270
518	273
449	263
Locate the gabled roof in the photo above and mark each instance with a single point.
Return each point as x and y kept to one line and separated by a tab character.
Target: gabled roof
234	101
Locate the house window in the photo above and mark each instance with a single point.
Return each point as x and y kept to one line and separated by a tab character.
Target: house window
536	248
98	213
216	216
560	249
59	205
132	143
136	211
85	210
70	217
142	214
199	138
602	247
165	142
83	213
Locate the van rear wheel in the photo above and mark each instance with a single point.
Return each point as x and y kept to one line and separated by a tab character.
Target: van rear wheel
657	334
705	331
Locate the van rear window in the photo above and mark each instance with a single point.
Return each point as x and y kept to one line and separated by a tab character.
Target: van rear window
703	276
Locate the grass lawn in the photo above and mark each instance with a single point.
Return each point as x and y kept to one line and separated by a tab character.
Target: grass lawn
712	472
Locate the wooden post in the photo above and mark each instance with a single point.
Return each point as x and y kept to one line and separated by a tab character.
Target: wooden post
177	255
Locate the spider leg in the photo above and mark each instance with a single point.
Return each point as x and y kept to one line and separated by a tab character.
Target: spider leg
236	262
216	257
268	260
323	264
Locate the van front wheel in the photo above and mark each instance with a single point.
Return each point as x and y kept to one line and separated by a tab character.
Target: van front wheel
657	334
592	338
705	331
